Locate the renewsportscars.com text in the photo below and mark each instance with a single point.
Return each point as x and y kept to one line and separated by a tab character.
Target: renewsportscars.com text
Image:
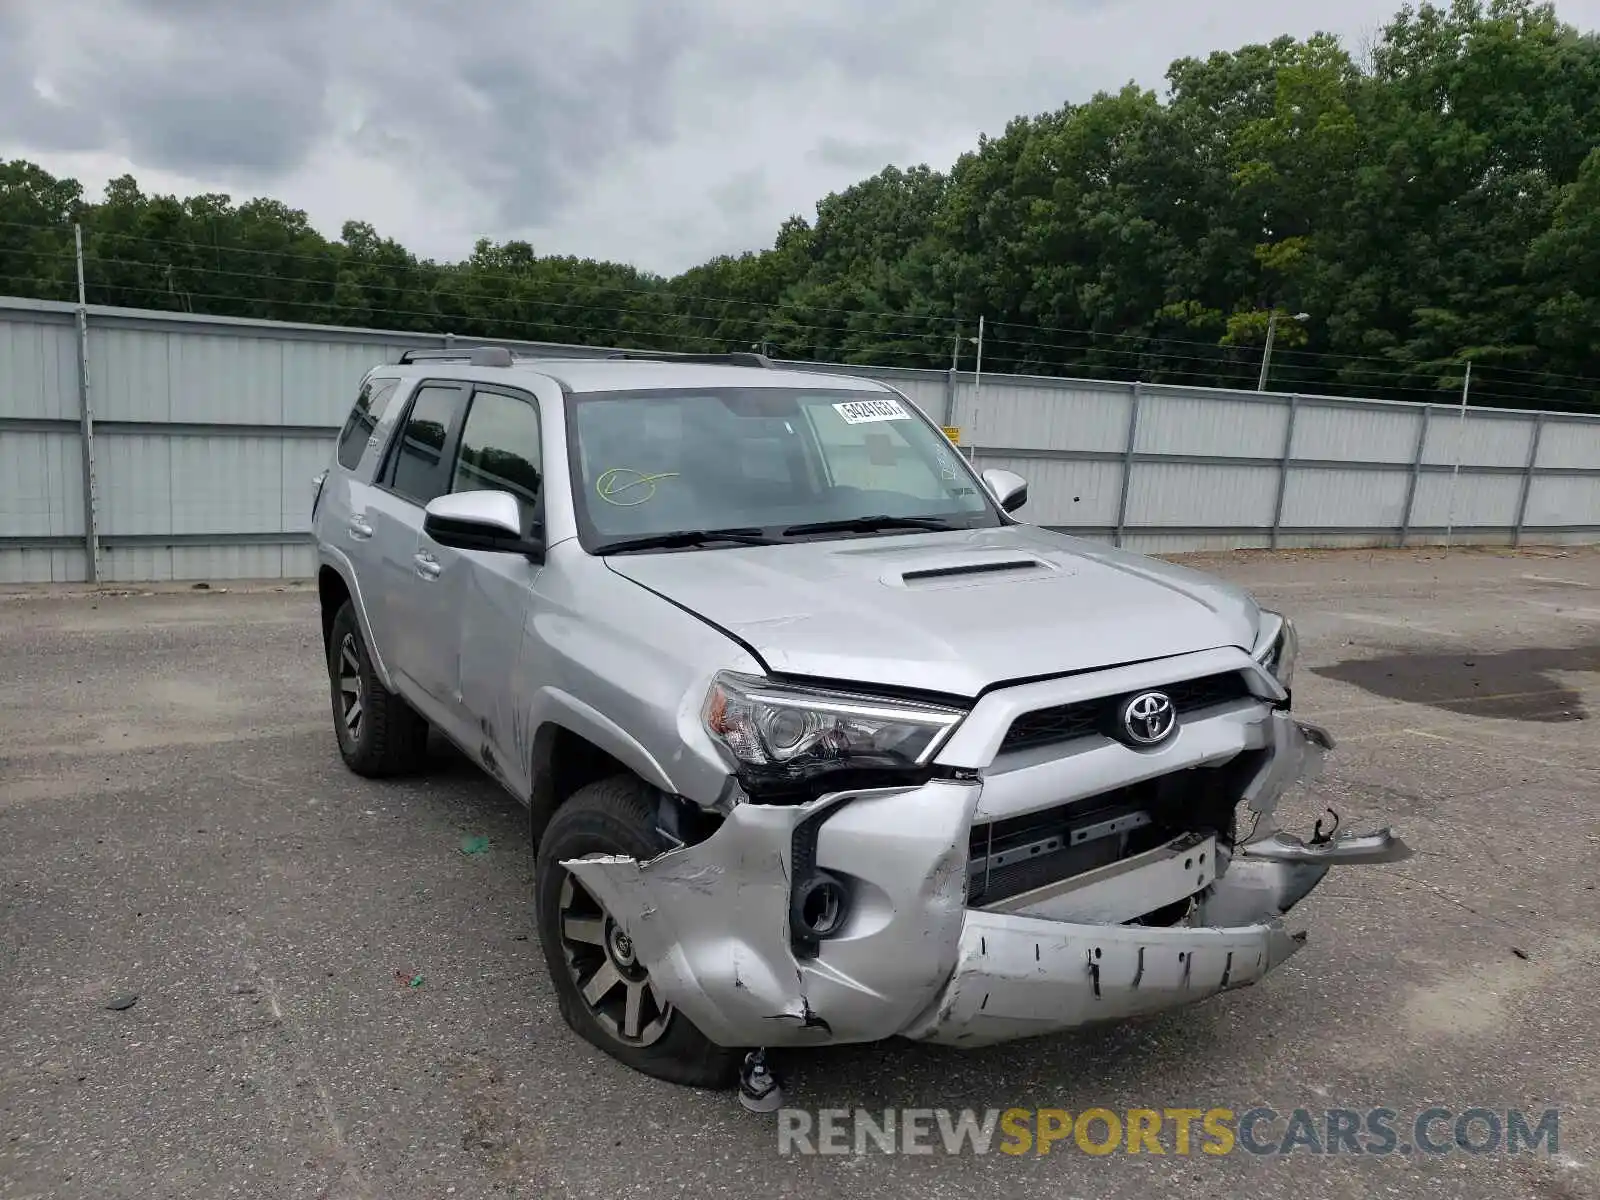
1259	1130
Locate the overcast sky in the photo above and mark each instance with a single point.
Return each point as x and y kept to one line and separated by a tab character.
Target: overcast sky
657	132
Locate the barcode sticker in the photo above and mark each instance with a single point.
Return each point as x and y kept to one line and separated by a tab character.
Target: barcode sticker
861	412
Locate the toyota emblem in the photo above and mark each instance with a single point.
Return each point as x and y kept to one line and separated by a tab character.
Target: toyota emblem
1149	718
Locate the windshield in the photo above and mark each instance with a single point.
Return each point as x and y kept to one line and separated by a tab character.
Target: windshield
764	462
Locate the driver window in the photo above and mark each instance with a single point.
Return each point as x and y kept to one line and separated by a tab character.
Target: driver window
500	450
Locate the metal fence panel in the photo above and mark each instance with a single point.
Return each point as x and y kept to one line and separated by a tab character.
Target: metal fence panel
1569	444
1489	500
1356	433
1330	497
1066	492
1481	441
1016	414
136	481
137	563
41	484
24	565
1206	423
38	369
1198	495
1564	500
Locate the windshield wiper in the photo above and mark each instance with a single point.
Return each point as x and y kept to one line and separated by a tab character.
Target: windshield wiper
685	539
869	525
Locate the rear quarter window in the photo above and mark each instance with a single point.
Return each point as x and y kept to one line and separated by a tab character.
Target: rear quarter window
365	414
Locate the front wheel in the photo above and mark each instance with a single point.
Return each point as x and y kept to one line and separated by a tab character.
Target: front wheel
606	994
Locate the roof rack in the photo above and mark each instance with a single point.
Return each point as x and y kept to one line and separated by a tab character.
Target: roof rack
737	358
477	356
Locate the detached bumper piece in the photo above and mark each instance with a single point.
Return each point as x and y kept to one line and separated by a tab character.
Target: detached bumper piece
1017	978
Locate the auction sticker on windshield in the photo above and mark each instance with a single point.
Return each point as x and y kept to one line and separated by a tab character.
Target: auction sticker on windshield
860	412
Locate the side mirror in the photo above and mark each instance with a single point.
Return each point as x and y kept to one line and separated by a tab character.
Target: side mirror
487	520
1010	489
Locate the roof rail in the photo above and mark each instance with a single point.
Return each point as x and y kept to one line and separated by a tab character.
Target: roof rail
477	356
737	358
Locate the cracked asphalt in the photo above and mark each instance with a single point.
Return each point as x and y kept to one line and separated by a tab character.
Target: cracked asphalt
339	990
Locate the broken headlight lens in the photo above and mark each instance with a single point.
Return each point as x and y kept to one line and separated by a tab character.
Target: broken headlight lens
785	733
1278	646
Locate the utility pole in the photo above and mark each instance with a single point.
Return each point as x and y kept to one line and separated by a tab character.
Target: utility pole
977	393
1266	354
1455	471
91	526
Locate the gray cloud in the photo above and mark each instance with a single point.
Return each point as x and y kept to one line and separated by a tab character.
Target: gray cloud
741	193
856	156
178	85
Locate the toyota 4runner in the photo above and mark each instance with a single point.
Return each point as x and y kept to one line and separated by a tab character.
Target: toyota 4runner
819	743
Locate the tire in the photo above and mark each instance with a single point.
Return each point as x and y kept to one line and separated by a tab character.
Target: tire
387	736
614	816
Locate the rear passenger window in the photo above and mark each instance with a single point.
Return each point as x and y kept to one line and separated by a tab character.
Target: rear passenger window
363	419
420	469
500	450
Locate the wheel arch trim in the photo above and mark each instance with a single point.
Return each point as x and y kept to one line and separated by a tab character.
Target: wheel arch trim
557	712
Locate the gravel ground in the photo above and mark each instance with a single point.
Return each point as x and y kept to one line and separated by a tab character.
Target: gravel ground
333	999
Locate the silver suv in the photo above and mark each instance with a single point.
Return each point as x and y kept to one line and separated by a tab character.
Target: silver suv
819	743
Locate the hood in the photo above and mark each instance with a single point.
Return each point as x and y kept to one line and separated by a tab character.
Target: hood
953	612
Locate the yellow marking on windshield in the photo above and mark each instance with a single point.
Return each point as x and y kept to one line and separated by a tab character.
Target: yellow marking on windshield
611	484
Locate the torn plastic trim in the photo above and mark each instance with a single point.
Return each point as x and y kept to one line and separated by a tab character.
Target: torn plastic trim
1299	753
1348	848
711	921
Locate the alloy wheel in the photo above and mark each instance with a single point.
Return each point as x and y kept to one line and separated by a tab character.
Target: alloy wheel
351	694
606	970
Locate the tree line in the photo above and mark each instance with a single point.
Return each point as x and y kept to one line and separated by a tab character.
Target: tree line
1431	200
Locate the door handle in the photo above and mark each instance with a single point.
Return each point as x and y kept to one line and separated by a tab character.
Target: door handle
360	528
427	565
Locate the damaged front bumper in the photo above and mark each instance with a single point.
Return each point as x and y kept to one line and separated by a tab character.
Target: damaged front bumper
712	921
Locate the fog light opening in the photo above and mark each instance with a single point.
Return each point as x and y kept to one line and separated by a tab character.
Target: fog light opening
822	907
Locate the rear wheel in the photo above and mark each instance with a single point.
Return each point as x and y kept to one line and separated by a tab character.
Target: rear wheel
379	734
606	994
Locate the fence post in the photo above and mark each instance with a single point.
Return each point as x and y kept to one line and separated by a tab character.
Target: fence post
1416	473
1527	479
91	518
1283	469
1127	462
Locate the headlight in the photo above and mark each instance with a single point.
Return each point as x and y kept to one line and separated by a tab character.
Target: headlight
1279	646
784	734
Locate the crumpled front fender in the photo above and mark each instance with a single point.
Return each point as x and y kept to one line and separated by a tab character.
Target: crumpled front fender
711	921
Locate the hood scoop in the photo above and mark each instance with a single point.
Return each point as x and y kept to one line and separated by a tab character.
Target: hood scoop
957	571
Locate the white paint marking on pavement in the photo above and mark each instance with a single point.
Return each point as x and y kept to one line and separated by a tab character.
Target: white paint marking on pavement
1577	583
1562	610
1395	623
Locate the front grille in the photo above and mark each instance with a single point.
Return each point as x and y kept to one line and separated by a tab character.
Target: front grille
1011	855
1018	854
1064	722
